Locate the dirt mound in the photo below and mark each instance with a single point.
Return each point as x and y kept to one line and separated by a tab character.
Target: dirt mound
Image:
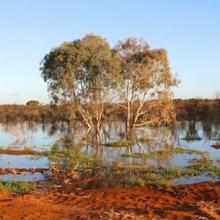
198	201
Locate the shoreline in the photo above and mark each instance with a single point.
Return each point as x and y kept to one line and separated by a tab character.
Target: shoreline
196	201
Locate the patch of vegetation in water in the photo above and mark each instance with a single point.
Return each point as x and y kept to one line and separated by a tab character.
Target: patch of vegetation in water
17	186
70	159
196	168
145	139
204	165
165	152
120	143
162	176
67	143
141	176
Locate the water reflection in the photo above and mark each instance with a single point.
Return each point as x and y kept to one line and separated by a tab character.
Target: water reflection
30	134
20	133
75	149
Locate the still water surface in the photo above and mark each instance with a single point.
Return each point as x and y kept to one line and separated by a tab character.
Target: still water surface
194	135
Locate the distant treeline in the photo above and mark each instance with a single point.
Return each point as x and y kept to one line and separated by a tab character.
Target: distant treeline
17	113
197	109
190	109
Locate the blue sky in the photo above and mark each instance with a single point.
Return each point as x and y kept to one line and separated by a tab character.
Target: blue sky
188	29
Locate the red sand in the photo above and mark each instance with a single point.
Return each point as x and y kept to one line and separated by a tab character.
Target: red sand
198	201
216	146
16	152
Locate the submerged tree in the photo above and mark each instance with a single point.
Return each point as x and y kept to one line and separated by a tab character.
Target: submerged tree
87	75
146	93
83	73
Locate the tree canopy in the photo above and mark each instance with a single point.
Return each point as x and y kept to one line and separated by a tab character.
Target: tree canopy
83	72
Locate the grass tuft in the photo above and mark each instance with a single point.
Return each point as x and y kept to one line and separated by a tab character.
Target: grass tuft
17	187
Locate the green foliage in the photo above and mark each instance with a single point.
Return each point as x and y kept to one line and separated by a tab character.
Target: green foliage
70	158
83	72
150	178
18	187
162	176
80	70
204	165
196	168
137	181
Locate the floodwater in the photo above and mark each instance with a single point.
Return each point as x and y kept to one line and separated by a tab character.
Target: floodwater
40	137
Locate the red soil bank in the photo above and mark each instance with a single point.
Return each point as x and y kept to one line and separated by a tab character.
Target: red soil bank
198	201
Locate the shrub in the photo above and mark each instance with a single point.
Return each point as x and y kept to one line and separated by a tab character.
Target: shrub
33	103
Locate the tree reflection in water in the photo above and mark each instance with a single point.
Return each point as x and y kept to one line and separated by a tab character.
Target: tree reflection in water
106	161
117	161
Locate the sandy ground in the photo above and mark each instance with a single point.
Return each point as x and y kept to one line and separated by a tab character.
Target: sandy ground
198	201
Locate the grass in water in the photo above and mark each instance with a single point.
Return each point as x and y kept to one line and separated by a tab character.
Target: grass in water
17	148
204	165
70	159
160	153
145	139
120	143
165	177
17	187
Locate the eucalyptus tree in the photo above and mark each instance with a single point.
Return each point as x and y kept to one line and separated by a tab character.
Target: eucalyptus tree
82	72
87	74
147	81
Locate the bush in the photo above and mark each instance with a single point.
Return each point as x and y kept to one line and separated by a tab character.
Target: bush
33	103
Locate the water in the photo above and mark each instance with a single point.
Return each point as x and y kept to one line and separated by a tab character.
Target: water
25	135
40	137
21	161
28	135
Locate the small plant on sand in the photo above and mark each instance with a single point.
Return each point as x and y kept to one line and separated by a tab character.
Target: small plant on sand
137	181
150	178
18	187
